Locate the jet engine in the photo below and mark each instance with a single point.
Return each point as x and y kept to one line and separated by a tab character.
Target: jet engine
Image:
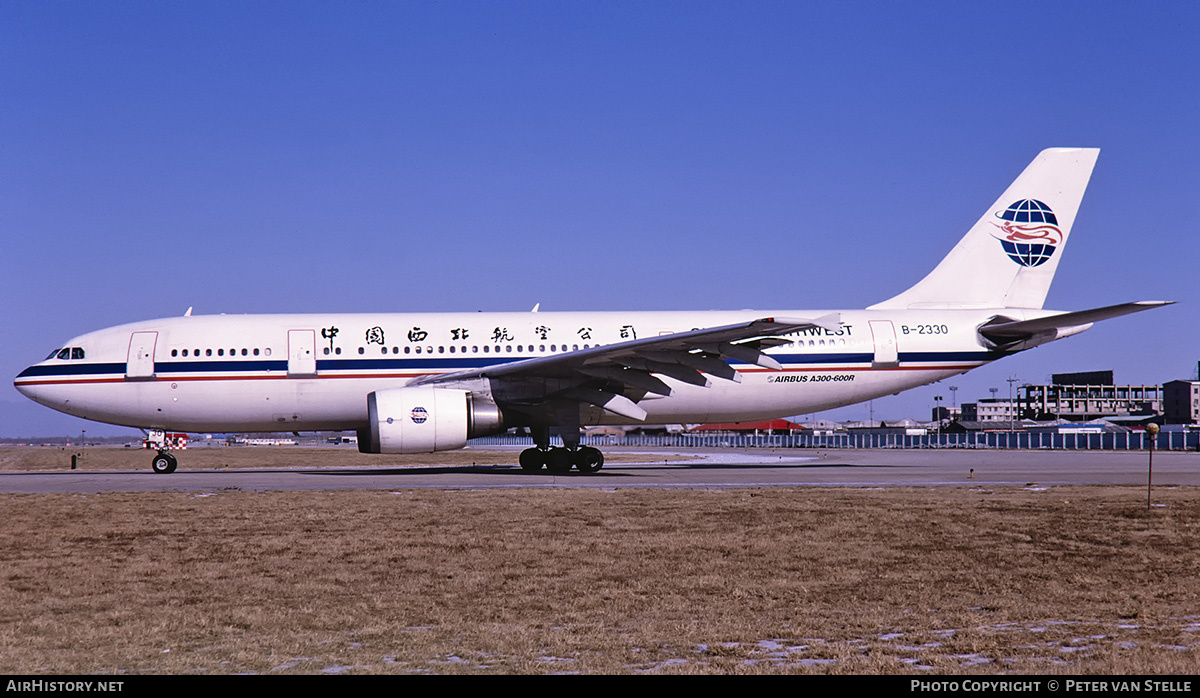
426	419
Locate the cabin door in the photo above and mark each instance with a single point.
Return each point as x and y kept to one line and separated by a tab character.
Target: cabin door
139	365
887	355
302	353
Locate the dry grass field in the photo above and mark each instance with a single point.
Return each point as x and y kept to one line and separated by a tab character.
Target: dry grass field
773	580
206	458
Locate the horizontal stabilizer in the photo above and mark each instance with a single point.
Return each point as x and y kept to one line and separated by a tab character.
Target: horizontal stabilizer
1003	330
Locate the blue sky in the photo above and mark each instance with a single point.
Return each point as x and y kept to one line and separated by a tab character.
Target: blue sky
402	156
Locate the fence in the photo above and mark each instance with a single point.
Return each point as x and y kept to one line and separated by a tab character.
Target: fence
1116	441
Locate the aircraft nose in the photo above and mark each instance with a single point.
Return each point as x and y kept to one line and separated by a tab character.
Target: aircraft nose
19	383
25	385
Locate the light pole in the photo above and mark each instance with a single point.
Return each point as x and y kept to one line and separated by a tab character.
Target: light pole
953	400
1011	412
1152	430
937	412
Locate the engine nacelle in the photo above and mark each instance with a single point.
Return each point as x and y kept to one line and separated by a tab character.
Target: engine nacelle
426	419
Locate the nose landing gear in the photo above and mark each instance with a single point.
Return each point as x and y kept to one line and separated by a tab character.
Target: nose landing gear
164	463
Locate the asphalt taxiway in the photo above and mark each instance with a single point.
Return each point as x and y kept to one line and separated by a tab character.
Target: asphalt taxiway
702	469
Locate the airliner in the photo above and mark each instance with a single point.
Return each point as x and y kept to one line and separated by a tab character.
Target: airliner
425	382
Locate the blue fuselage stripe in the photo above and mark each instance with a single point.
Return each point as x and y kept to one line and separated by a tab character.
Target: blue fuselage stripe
427	364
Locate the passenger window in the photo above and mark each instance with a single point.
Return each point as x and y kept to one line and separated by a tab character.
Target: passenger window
244	352
256	352
174	352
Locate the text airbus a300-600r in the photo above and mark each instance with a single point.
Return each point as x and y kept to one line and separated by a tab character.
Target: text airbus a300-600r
424	382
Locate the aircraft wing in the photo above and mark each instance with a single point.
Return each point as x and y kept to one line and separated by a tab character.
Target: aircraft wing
1003	330
606	376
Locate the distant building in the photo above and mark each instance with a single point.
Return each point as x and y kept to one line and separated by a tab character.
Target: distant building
1181	402
988	410
1078	399
1083	378
972	426
946	414
903	427
768	426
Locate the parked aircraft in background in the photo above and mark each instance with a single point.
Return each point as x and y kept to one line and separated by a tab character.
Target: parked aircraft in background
417	383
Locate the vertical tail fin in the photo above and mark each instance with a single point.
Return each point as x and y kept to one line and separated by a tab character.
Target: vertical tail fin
1008	258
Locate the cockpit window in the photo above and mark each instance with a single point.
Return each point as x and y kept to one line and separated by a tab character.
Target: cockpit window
68	353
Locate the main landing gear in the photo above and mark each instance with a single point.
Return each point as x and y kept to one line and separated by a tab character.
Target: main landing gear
559	460
164	463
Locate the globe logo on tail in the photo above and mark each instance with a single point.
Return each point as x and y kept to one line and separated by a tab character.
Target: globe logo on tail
1030	232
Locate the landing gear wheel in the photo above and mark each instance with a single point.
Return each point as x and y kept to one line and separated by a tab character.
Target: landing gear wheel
589	460
532	460
559	461
164	463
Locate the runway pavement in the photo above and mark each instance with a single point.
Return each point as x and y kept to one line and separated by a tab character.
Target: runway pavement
705	469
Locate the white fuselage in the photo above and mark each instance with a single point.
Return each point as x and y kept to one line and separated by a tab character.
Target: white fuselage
314	372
